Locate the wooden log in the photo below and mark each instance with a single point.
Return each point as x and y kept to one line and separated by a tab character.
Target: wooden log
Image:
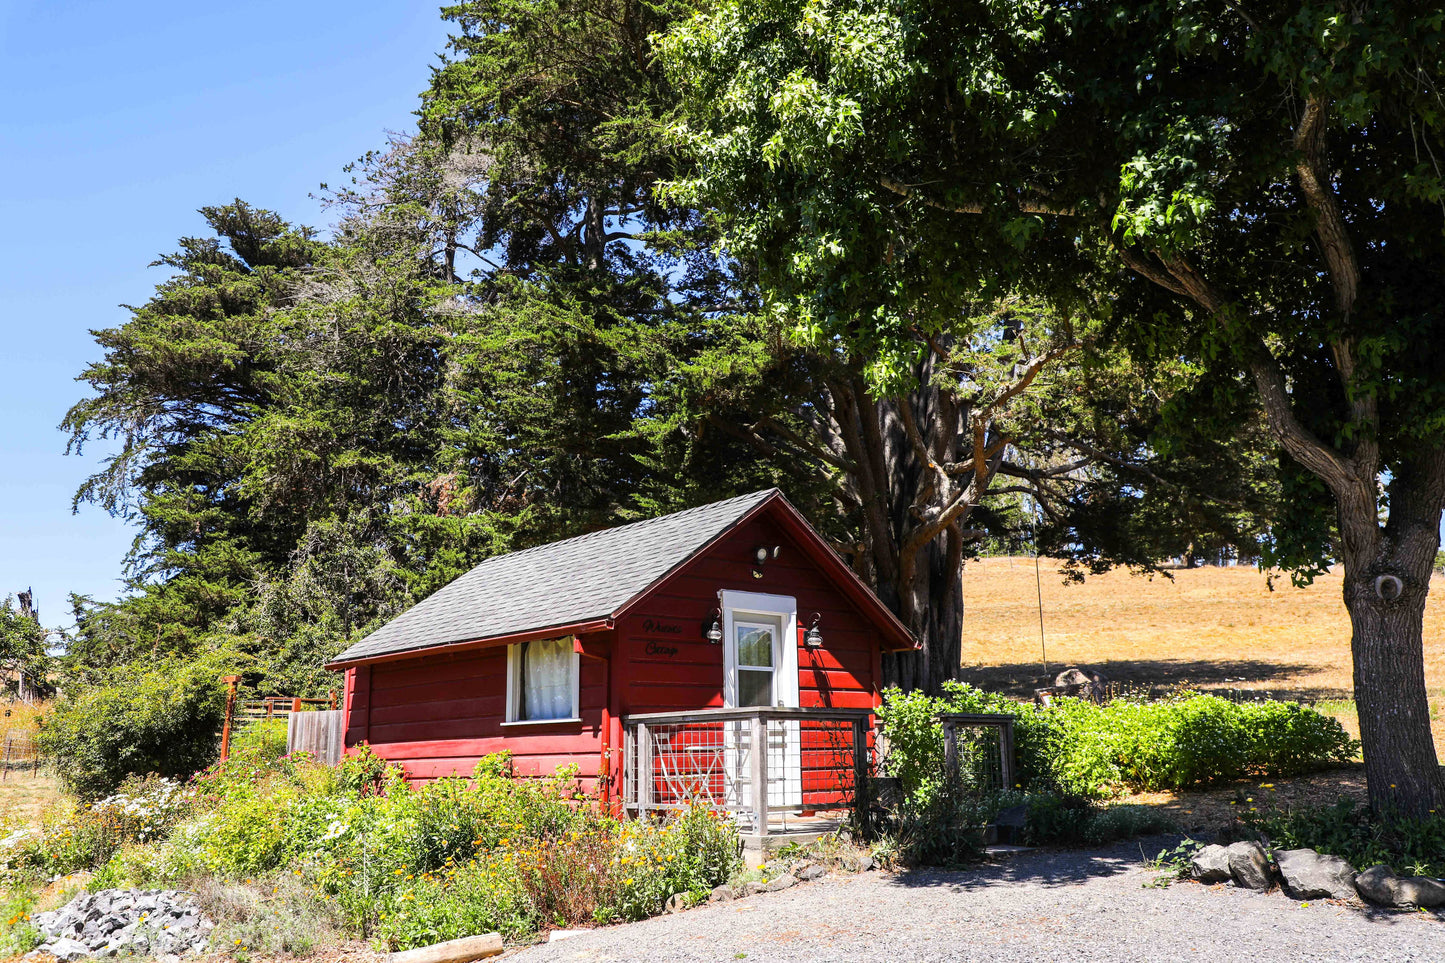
452	951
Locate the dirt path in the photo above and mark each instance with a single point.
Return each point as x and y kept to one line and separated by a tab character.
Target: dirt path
1065	906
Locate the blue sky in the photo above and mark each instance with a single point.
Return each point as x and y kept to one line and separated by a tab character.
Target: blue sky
118	121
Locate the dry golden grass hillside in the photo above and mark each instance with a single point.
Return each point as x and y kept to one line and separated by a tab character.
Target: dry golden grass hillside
1213	628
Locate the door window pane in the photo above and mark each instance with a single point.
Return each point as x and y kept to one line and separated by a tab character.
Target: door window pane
755	645
755	688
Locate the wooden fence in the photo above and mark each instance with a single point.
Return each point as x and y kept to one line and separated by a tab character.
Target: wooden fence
320	733
240	714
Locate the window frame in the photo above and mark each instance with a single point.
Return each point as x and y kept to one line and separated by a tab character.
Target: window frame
513	713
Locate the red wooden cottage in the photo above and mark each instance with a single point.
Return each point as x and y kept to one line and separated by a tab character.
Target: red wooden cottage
653	627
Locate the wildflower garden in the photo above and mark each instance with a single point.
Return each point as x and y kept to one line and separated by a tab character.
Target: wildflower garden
289	854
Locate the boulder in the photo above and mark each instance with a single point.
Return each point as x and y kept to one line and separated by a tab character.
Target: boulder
749	888
1419	891
1210	865
857	862
721	894
782	882
812	871
676	903
1249	865
1377	885
1308	875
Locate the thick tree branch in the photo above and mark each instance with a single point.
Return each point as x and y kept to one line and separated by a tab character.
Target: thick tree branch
822	454
1337	471
1330	228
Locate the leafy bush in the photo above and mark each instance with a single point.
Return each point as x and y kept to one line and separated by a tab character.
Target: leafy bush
1094	751
162	719
1410	845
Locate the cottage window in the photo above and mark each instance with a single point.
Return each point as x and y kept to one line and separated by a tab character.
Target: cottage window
542	681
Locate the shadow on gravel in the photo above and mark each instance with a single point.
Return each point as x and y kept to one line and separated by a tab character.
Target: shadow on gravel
1044	867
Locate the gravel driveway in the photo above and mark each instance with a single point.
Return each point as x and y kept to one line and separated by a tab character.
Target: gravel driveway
1043	905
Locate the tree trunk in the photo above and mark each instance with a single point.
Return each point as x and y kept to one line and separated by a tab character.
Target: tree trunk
934	614
1402	769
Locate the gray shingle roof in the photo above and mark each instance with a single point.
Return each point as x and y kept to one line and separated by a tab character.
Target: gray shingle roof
568	582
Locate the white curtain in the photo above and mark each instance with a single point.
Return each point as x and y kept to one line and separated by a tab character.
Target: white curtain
547	679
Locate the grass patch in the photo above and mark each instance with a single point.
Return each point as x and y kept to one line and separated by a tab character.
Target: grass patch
25	797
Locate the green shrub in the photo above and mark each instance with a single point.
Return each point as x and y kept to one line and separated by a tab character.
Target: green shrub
1088	750
163	718
260	742
1410	845
17	935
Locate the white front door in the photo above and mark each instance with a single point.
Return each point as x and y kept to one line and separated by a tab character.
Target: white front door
760	663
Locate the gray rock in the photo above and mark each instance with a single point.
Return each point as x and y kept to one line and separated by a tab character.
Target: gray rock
721	894
811	872
1249	865
1308	875
857	863
1210	865
676	903
782	882
1377	885
749	888
1419	891
64	949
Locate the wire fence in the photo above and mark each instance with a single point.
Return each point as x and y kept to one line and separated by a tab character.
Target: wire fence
806	761
18	752
978	751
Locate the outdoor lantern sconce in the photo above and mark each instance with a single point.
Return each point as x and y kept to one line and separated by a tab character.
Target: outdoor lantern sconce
813	638
761	554
712	627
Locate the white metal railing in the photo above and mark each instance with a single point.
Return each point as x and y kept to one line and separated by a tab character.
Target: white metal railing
812	760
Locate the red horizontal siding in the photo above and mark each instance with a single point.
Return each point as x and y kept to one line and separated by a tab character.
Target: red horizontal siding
439	715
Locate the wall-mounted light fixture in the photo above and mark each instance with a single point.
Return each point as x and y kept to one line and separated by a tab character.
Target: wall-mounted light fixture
813	638
761	554
712	627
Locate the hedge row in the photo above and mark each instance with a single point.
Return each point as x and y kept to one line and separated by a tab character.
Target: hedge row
1098	751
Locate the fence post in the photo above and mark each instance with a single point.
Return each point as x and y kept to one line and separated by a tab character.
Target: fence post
231	681
861	787
950	751
760	774
629	766
644	769
1006	752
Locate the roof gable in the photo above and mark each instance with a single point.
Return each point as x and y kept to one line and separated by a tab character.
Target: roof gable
591	579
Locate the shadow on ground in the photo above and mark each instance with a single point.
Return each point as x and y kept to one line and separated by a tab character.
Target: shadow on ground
1043	867
1242	677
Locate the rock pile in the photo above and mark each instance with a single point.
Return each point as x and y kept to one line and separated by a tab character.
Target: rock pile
1305	874
125	922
